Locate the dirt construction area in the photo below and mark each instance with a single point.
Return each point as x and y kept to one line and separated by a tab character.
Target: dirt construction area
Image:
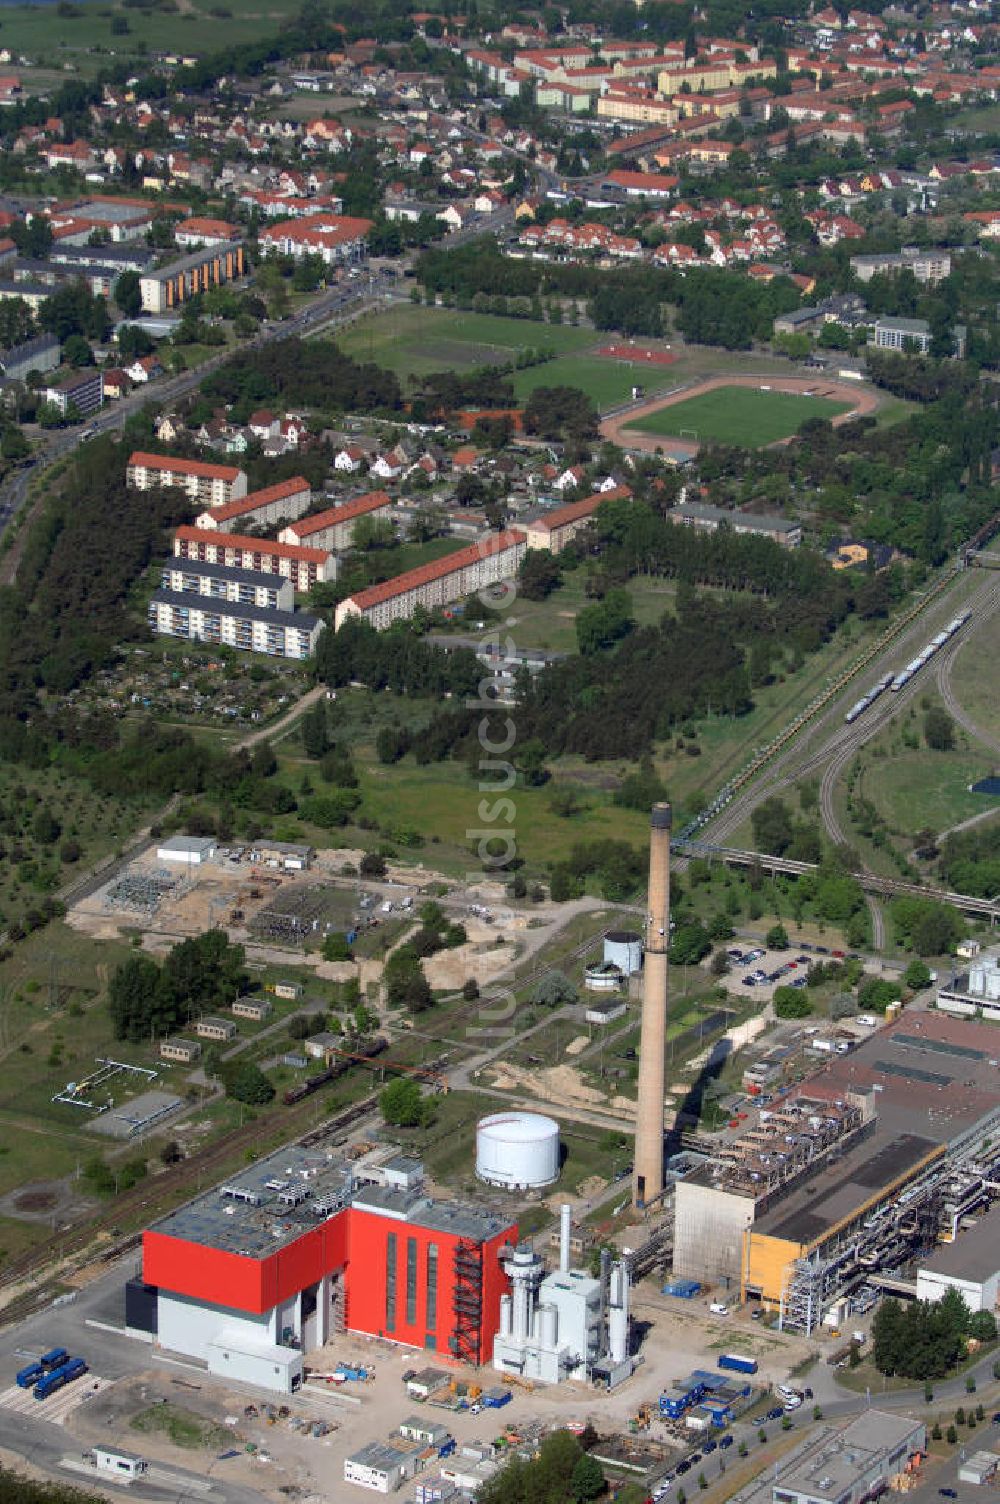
293	1447
622	430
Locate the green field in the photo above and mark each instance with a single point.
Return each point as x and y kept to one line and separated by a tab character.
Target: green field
81	40
606	382
416	341
739	415
972	676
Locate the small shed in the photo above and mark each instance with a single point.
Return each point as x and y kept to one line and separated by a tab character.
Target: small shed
257	1009
286	989
186	851
219	1029
980	1468
183	1051
121	1464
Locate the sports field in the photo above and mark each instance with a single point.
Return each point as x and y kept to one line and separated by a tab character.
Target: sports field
742	415
416	341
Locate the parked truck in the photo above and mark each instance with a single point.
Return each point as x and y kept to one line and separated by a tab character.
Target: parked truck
56	1378
28	1377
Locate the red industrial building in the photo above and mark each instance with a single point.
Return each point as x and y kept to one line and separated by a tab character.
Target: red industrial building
254	1274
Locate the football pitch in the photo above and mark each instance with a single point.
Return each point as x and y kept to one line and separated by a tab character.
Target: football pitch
749	416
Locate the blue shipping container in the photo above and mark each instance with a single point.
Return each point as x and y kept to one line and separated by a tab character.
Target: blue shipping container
738	1363
684	1289
54	1358
58	1377
28	1377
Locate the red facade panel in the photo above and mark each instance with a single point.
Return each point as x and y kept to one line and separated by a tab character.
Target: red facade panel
240	1283
366	1292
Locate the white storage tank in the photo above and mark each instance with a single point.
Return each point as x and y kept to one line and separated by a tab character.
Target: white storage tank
623	948
517	1150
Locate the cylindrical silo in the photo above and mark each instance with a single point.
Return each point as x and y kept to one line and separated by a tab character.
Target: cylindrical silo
623	948
548	1325
517	1150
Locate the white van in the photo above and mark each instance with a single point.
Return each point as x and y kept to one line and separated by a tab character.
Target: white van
719	1308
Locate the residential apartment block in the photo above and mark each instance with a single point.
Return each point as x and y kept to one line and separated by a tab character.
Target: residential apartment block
927	266
553	530
173	285
902	334
84	391
277	503
334	528
245	587
494	558
305	567
213	485
255	629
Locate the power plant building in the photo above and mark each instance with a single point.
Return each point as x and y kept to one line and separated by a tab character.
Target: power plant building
250	1276
847	1175
566	1324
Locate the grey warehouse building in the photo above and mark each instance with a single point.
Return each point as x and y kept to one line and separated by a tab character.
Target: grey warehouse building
853	1464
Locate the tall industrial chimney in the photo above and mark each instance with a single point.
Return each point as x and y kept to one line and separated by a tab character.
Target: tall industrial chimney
648	1178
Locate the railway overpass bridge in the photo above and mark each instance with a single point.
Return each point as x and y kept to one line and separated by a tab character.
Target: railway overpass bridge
871	882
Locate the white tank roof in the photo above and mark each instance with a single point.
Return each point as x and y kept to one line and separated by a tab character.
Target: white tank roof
519	1127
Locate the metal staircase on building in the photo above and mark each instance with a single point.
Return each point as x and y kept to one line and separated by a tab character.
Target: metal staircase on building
468	1270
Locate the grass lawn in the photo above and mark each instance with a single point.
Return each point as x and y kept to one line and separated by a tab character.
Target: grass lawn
415	341
739	415
915	788
973	673
551	623
83	41
606	382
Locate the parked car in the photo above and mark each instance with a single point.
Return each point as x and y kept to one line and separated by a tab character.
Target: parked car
710	1447
725	1441
774	1414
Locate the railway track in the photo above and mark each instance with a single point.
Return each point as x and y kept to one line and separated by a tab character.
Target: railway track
796	762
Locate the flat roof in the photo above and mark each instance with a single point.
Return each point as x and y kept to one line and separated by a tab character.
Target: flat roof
254	1213
188	263
837	1462
436	1216
202	844
928	1073
843	1186
258	578
974	1255
186	600
258	1227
